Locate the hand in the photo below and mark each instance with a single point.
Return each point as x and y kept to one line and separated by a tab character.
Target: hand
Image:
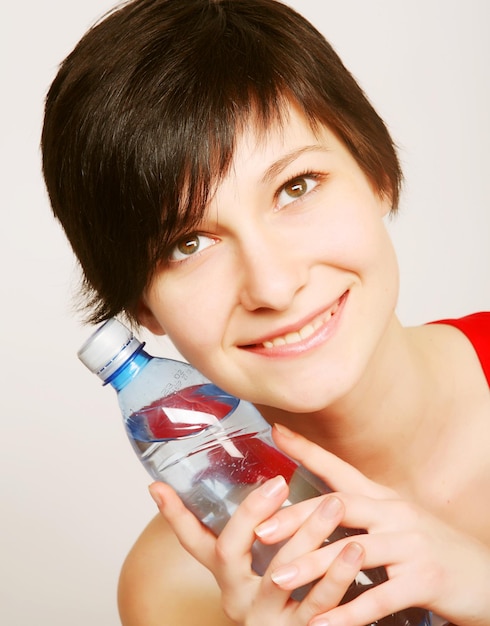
247	598
429	563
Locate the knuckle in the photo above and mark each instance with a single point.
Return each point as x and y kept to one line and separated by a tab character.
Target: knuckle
431	577
230	608
315	602
419	543
250	505
223	551
408	512
405	514
382	605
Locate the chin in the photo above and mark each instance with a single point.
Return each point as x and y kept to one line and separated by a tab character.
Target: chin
318	394
303	403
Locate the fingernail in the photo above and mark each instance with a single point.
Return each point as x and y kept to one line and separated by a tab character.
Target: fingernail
284	431
330	507
267	528
319	622
273	487
155	496
284	574
352	553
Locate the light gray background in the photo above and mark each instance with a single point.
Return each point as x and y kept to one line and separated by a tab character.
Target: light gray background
73	496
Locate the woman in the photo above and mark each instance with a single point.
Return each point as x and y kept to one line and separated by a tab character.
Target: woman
223	179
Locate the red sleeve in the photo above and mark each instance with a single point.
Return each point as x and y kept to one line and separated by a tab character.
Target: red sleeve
477	328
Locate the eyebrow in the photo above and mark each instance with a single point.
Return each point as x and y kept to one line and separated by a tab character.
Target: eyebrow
278	166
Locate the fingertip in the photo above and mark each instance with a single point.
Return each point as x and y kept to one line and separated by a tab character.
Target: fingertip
331	507
161	493
273	487
154	493
284	576
284	431
353	553
267	529
285	439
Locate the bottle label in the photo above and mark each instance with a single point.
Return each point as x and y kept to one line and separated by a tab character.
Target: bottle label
181	414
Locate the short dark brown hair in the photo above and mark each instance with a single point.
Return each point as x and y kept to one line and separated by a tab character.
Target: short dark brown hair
142	117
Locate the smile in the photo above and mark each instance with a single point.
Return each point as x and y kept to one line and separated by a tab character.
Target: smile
311	331
305	332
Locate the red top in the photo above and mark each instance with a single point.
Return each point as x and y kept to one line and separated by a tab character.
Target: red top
477	328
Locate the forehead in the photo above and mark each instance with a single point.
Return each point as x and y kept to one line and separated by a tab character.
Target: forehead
285	133
287	124
270	149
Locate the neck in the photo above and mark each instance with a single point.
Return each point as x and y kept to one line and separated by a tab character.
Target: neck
386	424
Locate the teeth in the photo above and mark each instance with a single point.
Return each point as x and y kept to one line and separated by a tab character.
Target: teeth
308	330
293	338
304	332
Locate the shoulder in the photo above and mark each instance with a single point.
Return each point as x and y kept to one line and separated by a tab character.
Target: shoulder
476	328
161	584
475	323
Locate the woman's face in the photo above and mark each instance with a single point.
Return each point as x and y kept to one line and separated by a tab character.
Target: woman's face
284	292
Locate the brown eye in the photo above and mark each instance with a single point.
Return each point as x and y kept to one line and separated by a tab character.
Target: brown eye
190	245
296	188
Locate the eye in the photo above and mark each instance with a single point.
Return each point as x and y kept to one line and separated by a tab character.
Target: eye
296	188
189	246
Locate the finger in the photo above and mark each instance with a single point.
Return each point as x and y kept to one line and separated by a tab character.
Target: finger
328	592
235	548
337	474
192	535
320	525
375	515
235	542
303	560
390	550
371	606
403	557
286	521
361	512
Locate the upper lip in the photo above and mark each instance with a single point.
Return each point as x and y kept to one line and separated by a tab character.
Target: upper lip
293	327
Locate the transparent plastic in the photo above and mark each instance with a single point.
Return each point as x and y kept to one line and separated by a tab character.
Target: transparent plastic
211	447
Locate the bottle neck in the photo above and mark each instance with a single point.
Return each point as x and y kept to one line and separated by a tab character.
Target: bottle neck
129	369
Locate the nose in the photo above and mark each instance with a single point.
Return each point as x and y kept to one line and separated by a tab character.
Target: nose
271	274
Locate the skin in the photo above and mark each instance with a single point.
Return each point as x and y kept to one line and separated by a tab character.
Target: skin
294	233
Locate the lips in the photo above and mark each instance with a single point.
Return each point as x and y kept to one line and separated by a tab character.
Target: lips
303	333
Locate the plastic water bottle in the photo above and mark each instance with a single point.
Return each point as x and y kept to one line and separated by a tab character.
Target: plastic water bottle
211	447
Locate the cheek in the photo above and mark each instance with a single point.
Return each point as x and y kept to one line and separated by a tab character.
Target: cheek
354	238
193	313
348	236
